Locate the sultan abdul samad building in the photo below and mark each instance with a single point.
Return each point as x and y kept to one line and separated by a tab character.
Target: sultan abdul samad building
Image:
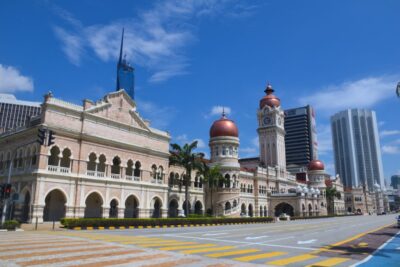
107	161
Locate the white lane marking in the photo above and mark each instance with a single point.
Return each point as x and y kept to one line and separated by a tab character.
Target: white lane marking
214	234
306	241
247	243
255	237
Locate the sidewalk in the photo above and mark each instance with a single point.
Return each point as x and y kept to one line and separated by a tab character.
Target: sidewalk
46	226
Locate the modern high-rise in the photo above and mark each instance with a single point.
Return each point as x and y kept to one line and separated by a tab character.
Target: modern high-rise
15	113
301	136
125	73
395	181
357	149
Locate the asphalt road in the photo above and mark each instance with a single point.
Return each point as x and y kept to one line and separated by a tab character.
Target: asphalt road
319	242
298	243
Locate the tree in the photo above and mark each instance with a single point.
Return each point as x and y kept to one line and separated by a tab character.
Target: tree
331	193
212	176
189	160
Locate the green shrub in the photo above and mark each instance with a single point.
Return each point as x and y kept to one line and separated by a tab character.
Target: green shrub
10	225
88	222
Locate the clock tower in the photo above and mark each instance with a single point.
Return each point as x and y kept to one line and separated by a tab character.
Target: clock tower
271	130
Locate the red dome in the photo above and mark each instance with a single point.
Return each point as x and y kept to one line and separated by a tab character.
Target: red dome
224	127
270	99
316	165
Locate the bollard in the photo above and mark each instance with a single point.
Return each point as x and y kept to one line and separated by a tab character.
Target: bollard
54	223
36	223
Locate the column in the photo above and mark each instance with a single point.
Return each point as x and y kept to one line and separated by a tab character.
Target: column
121	212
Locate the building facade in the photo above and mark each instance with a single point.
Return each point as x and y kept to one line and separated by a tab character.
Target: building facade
107	161
357	149
15	113
301	136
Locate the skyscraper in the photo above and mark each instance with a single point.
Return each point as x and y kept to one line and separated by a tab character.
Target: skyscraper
357	149
301	136
125	73
395	181
15	113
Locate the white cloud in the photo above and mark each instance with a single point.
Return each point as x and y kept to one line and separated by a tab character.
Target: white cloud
388	149
217	110
72	45
183	139
362	93
324	138
330	168
389	132
11	80
155	39
160	117
248	150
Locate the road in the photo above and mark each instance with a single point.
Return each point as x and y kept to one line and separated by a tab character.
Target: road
319	242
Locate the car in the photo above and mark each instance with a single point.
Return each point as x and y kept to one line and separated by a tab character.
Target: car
398	221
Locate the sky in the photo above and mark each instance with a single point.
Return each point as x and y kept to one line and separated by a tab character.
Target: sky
192	58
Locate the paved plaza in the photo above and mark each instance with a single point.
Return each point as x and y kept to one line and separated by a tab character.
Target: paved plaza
319	242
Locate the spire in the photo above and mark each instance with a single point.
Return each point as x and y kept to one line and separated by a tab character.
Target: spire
223	112
122	46
269	89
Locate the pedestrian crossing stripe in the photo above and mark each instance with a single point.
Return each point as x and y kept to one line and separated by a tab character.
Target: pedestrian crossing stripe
290	260
147	241
183	247
231	253
260	256
203	250
328	262
168	244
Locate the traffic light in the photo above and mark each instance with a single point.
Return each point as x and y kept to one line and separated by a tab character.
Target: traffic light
7	191
41	136
51	138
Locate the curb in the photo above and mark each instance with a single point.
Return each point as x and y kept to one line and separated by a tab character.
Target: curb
156	226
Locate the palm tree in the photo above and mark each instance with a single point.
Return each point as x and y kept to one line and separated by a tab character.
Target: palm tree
189	160
212	176
331	193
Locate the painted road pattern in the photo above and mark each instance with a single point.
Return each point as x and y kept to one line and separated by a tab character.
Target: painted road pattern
320	242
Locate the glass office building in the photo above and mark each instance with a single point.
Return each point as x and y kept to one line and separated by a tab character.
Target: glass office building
356	148
125	73
15	113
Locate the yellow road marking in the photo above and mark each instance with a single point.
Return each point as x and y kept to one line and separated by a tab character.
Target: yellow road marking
328	262
192	251
183	247
168	244
148	241
290	260
328	248
230	253
260	256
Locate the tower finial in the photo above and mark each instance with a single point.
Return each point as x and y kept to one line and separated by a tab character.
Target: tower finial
122	46
269	89
223	112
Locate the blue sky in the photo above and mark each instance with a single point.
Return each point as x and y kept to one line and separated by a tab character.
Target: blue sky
193	57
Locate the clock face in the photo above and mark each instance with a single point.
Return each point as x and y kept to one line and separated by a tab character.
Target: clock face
267	120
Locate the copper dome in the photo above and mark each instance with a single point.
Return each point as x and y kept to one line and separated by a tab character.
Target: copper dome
316	165
270	99
224	127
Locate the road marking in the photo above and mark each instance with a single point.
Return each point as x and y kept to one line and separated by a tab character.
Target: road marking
260	256
168	244
140	242
215	234
184	247
306	241
122	261
181	262
328	262
231	253
255	237
193	251
78	257
290	260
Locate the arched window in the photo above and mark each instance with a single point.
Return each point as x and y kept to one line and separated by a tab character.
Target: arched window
20	159
91	165
137	170
160	173
53	159
171	180
101	167
116	167
227	181
34	157
129	170
154	171
66	158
